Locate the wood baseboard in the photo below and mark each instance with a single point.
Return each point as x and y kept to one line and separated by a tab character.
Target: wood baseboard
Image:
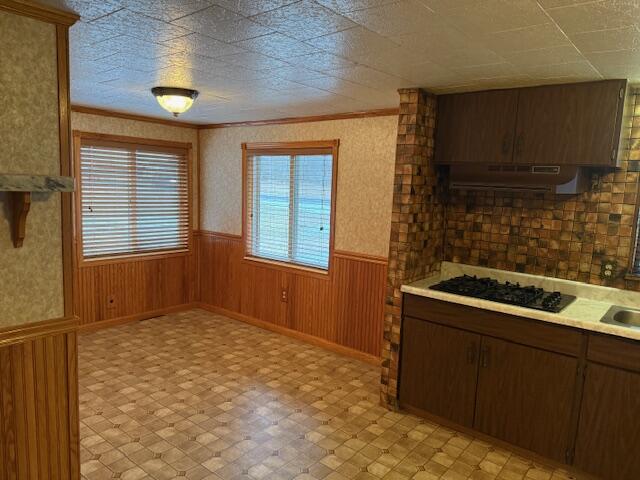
304	337
113	322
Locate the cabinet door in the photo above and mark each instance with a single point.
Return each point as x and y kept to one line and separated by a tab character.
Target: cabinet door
476	127
572	124
525	396
439	369
608	443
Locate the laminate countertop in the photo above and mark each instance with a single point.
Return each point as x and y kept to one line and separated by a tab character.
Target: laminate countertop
591	304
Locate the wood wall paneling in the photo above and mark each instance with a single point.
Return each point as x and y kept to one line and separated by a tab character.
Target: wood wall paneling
109	291
344	308
39	402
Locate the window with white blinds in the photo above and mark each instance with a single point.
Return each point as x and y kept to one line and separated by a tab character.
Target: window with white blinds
288	205
133	198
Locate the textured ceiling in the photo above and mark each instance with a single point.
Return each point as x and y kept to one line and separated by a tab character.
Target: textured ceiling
262	59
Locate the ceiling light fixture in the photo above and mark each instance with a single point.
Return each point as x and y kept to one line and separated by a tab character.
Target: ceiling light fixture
174	100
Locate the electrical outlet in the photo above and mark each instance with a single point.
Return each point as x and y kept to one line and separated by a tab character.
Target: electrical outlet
609	270
284	295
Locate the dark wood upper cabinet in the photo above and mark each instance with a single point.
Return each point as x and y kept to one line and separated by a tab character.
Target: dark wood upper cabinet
608	442
574	124
476	127
525	396
439	370
570	124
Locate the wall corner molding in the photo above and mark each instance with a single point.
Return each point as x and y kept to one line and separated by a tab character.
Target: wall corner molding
382	112
131	116
39	12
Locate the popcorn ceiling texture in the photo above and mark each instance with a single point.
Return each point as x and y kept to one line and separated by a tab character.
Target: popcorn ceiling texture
560	236
31	276
417	222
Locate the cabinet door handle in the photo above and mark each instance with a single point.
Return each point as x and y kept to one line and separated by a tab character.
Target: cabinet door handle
506	142
471	353
484	357
520	144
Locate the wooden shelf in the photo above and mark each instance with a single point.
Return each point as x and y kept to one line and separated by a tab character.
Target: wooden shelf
20	188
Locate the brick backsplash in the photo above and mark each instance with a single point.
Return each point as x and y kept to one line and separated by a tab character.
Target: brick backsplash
555	235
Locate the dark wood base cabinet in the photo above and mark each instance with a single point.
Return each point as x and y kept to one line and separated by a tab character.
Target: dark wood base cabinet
525	397
560	392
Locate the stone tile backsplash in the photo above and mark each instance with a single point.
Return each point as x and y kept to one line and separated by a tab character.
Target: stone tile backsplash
570	237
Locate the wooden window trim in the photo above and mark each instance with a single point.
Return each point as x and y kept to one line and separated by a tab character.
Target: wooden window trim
105	139
290	148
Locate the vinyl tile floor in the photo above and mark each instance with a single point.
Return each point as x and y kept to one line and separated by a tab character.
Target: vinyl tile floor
199	396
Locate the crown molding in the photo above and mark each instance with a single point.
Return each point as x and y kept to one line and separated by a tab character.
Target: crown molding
39	12
131	116
382	112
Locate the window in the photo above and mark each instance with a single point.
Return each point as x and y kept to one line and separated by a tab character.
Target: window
133	197
289	195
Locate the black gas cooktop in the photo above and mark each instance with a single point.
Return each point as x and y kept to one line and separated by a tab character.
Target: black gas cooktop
511	293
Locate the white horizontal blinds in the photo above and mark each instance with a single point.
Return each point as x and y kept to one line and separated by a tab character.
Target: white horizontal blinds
289	207
312	209
134	199
270	181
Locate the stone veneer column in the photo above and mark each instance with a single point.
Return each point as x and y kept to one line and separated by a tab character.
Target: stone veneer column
417	223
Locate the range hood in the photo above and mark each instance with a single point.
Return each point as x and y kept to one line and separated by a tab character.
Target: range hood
560	179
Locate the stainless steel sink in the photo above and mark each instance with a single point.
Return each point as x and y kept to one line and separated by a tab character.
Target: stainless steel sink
623	316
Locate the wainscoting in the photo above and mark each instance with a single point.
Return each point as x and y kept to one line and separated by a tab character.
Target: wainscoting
345	308
39	401
132	289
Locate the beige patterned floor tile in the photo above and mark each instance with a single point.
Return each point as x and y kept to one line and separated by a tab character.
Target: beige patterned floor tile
198	396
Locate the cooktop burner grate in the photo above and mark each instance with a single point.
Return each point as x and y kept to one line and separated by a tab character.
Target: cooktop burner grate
511	293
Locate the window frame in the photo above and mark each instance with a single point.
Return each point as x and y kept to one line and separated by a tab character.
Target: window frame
290	148
80	137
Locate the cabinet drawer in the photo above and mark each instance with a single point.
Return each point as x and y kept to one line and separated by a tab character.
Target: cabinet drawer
616	352
516	329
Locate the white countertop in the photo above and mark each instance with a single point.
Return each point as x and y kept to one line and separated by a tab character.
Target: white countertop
585	312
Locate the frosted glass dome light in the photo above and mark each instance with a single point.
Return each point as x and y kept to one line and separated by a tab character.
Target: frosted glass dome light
175	100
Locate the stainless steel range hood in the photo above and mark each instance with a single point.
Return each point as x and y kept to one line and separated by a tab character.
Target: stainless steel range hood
560	179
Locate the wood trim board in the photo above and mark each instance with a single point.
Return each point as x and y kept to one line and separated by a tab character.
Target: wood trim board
383	112
39	12
66	165
131	116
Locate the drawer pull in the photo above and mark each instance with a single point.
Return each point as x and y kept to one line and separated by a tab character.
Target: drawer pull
484	357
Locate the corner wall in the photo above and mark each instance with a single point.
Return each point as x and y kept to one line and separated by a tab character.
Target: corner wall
345	308
31	278
136	288
417	223
39	434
